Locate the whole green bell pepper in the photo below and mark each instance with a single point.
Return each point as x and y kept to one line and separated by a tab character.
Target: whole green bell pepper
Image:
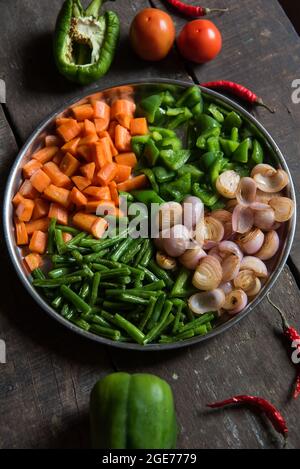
132	412
84	42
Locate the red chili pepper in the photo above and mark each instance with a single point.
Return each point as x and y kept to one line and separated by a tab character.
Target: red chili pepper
238	90
261	404
193	11
292	335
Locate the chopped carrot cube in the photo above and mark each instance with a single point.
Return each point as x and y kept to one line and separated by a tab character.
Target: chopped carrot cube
90	223
33	261
57	177
138	126
122	139
81	182
99	227
17	199
52	141
85	151
107	173
41	208
112	128
122	106
71	146
40	180
124	120
78	198
21	233
101	207
45	154
123	173
27	190
100	193
69	130
69	165
63	120
89	127
67	237
24	210
31	167
58	212
114	194
101	110
113	149
38	242
127	159
40	224
88	140
57	194
57	158
83	111
88	170
138	182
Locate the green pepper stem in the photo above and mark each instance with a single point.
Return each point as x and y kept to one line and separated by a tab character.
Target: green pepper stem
94	8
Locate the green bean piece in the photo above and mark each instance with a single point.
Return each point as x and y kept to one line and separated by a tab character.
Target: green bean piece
108	274
56	282
154	286
157	311
59	272
143	249
139	280
114	285
81	323
84	290
135	333
147	256
142	293
155	331
200	330
148	274
95	287
148	313
75	299
207	317
121	249
160	273
76	240
60	244
177	318
184	336
68	229
180	282
65	310
38	274
132	251
57	259
57	302
77	255
99	267
106	332
51	236
95	256
115	305
128	298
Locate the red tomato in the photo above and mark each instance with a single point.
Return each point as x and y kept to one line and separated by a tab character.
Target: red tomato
200	41
152	34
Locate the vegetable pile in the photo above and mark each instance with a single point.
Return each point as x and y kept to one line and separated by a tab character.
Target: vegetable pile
220	205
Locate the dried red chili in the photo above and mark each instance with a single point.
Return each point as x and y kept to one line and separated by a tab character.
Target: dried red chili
193	11
238	90
293	337
261	404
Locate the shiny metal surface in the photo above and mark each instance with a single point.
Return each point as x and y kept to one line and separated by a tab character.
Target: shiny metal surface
35	141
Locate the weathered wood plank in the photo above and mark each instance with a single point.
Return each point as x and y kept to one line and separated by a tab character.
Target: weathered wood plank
248	359
261	50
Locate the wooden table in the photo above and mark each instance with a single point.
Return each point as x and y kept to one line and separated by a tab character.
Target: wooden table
45	384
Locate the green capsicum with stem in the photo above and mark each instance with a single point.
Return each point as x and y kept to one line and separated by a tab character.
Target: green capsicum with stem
84	42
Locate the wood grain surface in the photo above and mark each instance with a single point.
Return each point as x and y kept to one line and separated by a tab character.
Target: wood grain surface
45	385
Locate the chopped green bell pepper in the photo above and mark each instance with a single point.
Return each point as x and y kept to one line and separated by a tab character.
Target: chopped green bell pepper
138	143
190	97
174	159
179	117
232	120
241	154
177	189
212	132
165	133
213	144
147	197
214	111
171	143
234	136
209	158
205	122
148	107
151	152
151	176
257	156
228	146
195	173
208	198
163	175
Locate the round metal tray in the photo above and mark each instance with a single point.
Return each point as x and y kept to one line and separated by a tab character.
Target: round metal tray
35	141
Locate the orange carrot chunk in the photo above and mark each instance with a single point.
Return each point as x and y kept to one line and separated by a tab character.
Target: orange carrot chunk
85	151
127	159
101	111
112	147
33	261
114	194
67	237
81	182
122	138
88	140
40	180
138	126
58	212
88	170
58	178
40	224
69	130
99	193
57	158
124	120
107	173
38	242
24	210
45	154
78	198
28	191
52	141
112	128
17	199
30	168
123	173
138	182
99	155
41	208
122	106
62	120
83	111
71	146
69	165
90	223
57	194
89	127
21	233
